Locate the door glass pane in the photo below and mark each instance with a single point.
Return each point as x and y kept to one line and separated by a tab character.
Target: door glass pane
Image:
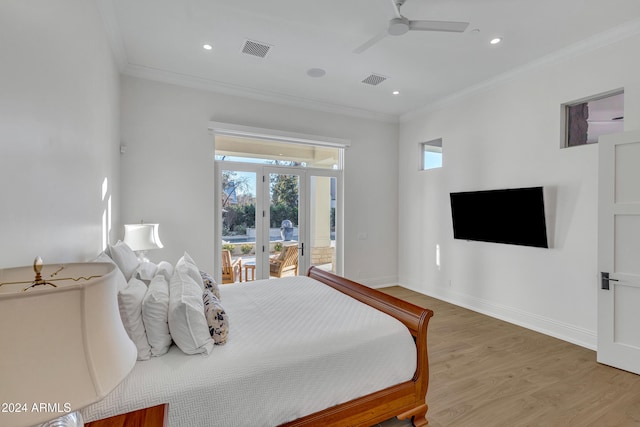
238	225
322	226
284	230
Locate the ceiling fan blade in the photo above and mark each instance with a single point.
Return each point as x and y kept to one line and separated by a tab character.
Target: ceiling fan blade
448	26
366	45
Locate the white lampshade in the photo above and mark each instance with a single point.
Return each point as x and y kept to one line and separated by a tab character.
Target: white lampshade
142	237
63	347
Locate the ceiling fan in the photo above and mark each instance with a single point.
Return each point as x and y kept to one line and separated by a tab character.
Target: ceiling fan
399	25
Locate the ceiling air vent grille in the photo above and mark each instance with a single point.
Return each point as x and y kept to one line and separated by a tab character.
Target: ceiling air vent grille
255	48
374	79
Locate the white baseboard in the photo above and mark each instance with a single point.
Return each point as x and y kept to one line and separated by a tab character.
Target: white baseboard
379	282
564	331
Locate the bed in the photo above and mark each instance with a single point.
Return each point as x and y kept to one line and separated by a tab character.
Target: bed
305	350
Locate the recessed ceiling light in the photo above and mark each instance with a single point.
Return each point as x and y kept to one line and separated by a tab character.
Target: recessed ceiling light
207	46
396	92
316	72
496	40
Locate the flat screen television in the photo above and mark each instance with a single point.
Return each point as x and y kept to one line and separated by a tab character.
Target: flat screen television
513	216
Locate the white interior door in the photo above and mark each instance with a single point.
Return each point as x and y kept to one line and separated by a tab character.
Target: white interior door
619	251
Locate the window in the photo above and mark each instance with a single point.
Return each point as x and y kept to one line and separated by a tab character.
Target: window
253	150
431	154
587	119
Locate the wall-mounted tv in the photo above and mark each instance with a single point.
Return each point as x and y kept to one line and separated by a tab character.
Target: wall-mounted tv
513	216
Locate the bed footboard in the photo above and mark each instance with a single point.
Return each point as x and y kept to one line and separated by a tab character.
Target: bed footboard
405	400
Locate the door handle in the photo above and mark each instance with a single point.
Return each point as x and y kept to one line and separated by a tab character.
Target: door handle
301	249
604	282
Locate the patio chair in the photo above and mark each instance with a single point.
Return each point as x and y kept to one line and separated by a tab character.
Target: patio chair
286	263
231	270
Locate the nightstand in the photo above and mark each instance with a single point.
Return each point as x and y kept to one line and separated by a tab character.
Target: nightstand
155	416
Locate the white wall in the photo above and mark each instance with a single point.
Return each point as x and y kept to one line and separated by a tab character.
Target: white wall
59	130
168	171
508	135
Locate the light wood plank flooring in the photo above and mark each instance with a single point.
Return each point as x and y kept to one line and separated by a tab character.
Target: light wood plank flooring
488	373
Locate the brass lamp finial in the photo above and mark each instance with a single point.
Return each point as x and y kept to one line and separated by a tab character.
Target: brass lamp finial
37	267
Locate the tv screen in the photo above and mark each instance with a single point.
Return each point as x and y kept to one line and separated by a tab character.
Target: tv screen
513	216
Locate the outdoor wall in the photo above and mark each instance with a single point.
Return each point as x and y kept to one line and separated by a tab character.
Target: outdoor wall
59	131
168	171
507	135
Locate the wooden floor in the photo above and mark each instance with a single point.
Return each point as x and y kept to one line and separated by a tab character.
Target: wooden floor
488	373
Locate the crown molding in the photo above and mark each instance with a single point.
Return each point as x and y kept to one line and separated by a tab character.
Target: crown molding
604	39
108	14
194	82
110	22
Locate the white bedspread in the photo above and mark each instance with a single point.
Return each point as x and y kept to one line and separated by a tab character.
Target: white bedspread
295	347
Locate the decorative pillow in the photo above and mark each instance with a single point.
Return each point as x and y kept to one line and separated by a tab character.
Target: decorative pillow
146	271
130	304
217	318
187	323
103	257
210	284
125	259
155	315
166	269
121	282
193	270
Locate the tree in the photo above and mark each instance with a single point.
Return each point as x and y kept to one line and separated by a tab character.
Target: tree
284	189
238	205
233	186
284	199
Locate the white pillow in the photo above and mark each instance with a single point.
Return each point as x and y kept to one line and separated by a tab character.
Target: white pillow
146	271
130	304
121	282
125	259
187	323
155	315
166	269
193	270
103	257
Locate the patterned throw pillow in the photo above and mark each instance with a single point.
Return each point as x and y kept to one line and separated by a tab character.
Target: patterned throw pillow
216	317
210	284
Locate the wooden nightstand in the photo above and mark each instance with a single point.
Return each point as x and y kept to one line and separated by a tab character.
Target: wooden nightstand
155	416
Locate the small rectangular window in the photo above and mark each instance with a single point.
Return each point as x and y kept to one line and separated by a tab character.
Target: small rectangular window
588	119
431	154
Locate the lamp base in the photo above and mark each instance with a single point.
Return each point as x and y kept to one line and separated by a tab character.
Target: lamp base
142	256
72	419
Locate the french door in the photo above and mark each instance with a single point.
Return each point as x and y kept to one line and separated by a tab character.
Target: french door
277	221
619	251
283	226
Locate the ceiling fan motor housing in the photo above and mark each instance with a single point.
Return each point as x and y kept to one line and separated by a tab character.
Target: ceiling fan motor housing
398	26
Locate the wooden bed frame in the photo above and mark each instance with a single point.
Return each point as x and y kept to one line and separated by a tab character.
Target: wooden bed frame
404	401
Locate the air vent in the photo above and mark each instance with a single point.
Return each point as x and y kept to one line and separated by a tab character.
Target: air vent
255	48
374	79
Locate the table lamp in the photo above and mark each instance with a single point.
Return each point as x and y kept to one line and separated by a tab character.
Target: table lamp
141	238
63	343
